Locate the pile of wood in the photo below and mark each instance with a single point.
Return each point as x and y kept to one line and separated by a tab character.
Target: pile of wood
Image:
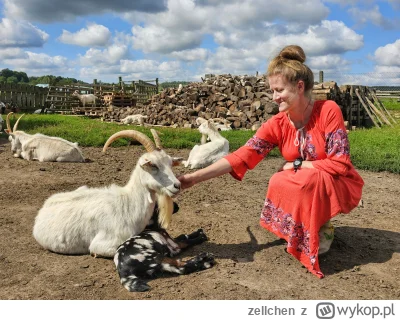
243	101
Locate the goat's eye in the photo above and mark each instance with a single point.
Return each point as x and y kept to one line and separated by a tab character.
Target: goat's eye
153	166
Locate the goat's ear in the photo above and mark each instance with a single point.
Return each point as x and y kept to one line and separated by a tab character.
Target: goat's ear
8	131
176	161
147	165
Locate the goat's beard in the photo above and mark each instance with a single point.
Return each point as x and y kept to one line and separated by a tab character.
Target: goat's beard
166	208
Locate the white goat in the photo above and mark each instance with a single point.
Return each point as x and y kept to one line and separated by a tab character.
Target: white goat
16	137
41	147
1	122
207	153
85	98
98	220
134	118
44	149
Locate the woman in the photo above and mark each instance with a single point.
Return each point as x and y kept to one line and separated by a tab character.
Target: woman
318	180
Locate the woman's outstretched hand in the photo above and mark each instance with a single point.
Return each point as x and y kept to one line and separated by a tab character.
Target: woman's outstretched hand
186	181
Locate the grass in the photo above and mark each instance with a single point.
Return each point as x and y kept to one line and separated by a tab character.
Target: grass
371	149
391	103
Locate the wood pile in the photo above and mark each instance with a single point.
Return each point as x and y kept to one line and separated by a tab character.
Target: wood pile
242	101
245	102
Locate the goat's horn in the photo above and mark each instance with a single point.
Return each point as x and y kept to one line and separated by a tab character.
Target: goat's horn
157	139
8	122
141	137
16	124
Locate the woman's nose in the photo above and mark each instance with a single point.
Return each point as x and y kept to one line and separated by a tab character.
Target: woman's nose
275	96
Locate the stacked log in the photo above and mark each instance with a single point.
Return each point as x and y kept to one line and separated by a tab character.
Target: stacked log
242	101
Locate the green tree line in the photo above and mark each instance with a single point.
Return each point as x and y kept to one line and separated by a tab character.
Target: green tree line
10	76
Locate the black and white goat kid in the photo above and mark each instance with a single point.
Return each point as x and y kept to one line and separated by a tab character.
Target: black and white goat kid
151	252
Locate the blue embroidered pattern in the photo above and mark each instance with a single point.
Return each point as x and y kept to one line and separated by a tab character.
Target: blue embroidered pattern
298	236
261	146
337	143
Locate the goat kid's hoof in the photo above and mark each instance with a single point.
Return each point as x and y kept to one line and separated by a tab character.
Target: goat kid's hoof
205	258
202	235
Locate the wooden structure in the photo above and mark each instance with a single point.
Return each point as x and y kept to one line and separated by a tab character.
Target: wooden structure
123	94
23	96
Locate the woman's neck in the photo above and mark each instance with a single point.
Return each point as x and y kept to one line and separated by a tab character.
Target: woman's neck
299	117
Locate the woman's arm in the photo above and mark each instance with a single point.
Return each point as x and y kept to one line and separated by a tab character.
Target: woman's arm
216	169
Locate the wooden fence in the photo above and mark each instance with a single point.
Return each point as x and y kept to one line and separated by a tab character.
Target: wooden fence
23	96
28	98
388	94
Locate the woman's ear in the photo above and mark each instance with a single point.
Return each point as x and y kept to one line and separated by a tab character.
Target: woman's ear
300	85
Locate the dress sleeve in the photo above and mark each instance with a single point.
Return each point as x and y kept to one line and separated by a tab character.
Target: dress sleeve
255	149
336	141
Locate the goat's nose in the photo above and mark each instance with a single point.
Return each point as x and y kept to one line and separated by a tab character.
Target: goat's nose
177	185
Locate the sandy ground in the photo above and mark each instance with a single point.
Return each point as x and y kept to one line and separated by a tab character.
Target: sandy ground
364	261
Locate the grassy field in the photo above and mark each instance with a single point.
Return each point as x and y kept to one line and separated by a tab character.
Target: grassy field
371	149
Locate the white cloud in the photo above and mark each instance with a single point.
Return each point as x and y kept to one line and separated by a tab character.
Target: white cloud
11	53
39	64
198	54
20	34
330	37
388	55
109	56
151	69
94	35
234	61
328	63
161	40
184	24
374	16
67	10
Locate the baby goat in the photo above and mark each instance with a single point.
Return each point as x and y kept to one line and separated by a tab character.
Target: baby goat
150	253
207	153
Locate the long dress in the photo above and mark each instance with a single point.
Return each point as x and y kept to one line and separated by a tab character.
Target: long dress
298	203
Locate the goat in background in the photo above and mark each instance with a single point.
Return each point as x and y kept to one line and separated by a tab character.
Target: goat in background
207	152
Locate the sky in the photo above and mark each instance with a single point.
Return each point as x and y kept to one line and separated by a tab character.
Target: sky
182	40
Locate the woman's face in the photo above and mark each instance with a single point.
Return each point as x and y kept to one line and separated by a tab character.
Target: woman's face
286	95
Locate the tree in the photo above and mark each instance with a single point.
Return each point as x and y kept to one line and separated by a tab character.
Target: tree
12	79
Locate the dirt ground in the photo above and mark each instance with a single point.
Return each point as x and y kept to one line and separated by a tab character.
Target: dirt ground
364	261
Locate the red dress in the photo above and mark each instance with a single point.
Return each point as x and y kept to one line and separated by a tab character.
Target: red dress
298	203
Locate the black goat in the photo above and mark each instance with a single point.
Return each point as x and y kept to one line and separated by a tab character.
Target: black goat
150	253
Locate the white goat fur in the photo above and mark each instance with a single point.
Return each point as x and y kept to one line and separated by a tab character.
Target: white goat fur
207	153
134	118
98	220
41	147
1	122
85	98
45	148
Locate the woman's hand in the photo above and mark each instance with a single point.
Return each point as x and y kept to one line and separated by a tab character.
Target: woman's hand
186	181
286	166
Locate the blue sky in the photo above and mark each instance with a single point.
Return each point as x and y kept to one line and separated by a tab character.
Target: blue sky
185	39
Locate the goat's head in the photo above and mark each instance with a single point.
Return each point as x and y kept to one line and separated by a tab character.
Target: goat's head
207	126
12	137
155	166
75	93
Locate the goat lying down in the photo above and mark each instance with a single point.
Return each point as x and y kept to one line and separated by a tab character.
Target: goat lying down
151	252
98	220
41	147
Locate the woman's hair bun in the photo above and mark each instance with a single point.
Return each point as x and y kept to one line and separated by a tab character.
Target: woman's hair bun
293	52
